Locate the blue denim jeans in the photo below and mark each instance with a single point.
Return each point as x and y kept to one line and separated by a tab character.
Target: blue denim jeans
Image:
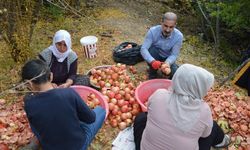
153	72
92	129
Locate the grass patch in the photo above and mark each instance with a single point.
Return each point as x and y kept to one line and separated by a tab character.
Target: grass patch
197	52
107	13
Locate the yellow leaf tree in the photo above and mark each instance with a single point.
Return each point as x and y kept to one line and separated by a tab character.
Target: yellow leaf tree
17	21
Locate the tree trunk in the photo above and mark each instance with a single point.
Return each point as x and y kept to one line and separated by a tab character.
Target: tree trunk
208	22
10	32
35	16
218	27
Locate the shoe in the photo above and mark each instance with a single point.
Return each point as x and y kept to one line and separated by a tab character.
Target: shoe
226	141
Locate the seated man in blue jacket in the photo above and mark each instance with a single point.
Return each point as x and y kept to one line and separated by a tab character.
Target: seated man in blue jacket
59	118
162	45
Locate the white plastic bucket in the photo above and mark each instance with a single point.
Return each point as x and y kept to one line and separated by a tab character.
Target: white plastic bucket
89	46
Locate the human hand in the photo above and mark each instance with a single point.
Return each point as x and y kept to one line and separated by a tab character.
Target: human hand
165	65
167	71
54	85
156	64
65	85
165	68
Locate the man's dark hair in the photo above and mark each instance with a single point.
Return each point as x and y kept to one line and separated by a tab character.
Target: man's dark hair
34	68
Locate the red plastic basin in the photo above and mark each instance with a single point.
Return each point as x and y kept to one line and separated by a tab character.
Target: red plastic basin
147	88
84	91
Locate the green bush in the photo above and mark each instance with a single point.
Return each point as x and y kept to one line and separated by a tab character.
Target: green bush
52	12
233	13
236	15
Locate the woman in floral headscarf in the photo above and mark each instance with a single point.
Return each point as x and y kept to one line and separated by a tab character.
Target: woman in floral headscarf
61	59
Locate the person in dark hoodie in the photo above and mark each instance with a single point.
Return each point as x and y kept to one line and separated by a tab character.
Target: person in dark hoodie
58	117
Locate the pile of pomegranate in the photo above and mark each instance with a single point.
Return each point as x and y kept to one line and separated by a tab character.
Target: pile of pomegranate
119	90
232	112
14	127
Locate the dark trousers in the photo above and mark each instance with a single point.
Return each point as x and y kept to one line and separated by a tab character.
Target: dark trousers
155	54
139	126
248	89
213	139
248	82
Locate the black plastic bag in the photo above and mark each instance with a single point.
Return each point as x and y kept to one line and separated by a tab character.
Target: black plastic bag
82	80
127	53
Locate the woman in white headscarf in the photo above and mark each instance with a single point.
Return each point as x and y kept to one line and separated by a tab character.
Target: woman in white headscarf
180	119
61	59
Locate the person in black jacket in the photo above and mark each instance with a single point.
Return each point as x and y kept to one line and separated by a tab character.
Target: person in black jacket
59	118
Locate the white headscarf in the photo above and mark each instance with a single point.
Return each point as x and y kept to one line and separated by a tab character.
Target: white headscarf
61	35
190	84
